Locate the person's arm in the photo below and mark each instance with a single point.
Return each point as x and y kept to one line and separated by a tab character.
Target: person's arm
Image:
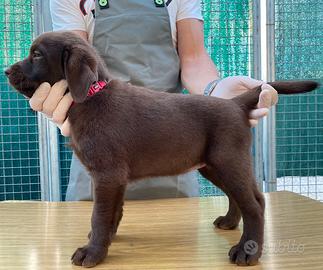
197	68
67	16
198	71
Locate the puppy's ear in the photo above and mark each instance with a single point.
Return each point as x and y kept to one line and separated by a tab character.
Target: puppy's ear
80	67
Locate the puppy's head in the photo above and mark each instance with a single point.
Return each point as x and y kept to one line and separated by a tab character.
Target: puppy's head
55	56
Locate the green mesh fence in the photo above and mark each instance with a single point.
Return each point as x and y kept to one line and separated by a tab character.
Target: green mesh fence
228	39
19	161
299	119
228	34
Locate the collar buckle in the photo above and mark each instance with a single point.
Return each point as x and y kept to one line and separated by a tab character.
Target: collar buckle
96	87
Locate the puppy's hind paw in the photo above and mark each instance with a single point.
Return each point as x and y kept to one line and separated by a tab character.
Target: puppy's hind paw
226	223
89	256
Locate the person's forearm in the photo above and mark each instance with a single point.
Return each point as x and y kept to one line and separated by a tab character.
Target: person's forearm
198	73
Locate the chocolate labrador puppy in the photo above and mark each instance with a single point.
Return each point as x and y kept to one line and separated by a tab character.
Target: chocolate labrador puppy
125	133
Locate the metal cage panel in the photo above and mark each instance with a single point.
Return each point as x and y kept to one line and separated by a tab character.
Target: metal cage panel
299	118
65	156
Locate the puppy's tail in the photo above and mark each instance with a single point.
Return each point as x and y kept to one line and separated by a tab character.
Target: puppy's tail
249	99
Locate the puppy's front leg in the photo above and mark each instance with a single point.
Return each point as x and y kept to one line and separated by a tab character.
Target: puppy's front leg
118	212
108	197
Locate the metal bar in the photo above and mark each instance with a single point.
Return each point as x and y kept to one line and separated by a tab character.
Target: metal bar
258	131
48	136
270	121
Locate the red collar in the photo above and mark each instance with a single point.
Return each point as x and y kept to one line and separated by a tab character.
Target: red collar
96	87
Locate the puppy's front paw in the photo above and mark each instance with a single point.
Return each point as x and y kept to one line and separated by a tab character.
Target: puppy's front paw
247	253
226	223
89	256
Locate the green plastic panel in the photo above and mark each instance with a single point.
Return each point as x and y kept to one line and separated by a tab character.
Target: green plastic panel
19	160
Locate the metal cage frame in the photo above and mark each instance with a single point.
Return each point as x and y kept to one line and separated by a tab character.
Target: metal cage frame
48	136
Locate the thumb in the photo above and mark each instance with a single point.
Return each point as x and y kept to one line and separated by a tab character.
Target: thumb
268	97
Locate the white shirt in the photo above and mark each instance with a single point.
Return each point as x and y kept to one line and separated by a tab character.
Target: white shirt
78	14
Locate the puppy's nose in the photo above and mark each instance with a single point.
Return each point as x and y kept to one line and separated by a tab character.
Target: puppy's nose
8	71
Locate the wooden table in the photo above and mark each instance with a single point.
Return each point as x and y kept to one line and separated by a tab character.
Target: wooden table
160	234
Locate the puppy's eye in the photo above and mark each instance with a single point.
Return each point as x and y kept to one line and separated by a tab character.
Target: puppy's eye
36	54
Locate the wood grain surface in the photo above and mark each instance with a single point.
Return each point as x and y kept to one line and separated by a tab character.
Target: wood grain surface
160	234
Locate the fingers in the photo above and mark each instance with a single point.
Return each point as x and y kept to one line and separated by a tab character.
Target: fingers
53	103
65	128
253	122
60	112
38	98
258	113
55	95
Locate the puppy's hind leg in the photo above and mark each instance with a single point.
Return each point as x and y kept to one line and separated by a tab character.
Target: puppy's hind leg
231	220
237	177
108	198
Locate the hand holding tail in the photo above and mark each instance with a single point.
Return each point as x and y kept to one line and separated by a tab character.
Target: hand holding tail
234	86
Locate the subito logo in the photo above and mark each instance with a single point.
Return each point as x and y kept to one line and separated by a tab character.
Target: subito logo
250	247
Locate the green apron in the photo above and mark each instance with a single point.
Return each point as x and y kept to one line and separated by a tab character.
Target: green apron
134	39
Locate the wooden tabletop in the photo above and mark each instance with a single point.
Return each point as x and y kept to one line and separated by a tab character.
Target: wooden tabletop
160	234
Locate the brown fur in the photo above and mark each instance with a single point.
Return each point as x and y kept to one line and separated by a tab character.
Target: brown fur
126	132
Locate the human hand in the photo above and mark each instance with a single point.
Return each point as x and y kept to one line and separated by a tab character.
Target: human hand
54	103
236	85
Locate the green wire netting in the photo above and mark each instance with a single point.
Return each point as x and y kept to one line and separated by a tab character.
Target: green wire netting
19	160
299	54
299	118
